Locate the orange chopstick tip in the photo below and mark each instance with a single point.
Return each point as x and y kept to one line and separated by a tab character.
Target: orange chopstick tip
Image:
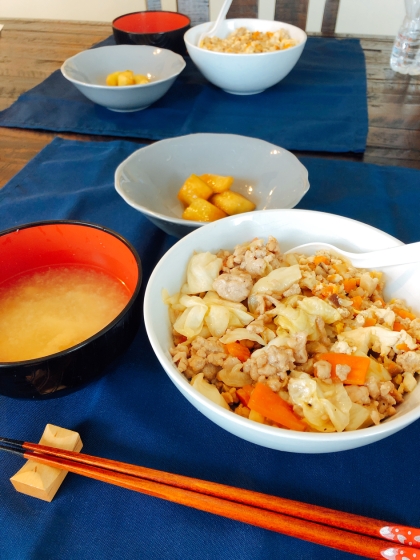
402	535
400	553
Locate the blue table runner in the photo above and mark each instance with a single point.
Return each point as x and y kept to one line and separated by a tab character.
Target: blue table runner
135	414
320	106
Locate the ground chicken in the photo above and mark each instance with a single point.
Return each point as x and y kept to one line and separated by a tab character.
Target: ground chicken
233	286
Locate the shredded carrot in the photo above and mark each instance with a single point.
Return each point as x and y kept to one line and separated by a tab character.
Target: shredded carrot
351	284
264	401
244	394
357	302
369	322
403	346
398	326
339	327
359	366
236	349
403	313
321	259
328	290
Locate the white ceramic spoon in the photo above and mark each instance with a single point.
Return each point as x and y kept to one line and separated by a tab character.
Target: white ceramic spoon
212	30
403	254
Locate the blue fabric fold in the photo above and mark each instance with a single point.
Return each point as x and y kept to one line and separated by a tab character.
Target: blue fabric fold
135	414
320	106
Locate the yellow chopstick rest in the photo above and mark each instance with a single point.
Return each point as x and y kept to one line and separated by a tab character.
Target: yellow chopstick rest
42	481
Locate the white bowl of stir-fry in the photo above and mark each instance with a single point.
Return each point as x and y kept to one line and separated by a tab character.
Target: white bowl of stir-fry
297	353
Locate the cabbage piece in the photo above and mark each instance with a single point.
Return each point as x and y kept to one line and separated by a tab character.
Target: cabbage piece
208	390
364	337
278	280
326	407
234	377
337	404
316	306
239	318
191	321
238	315
280	340
217	320
241	334
202	271
212	297
359	417
377	371
359	338
295	320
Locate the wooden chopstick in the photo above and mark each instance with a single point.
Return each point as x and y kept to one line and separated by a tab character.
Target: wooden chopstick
289	517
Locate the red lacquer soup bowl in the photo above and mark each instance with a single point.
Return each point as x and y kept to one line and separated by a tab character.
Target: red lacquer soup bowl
156	28
63	247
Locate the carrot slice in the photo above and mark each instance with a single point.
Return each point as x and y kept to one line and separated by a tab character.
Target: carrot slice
357	302
359	366
244	394
397	326
321	259
264	401
238	350
351	284
369	322
403	313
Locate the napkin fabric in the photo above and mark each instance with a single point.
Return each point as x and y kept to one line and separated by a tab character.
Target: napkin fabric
320	106
135	414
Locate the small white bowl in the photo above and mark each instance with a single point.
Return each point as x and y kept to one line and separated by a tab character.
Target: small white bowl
291	228
151	177
244	74
88	70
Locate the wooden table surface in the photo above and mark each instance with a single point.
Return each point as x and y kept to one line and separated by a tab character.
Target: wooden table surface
31	50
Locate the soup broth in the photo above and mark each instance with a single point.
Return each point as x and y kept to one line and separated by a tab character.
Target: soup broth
50	310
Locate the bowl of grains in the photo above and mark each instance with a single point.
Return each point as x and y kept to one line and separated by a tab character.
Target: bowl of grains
248	55
69	305
299	353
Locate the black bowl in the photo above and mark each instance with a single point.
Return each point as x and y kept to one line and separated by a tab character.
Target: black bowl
62	242
155	28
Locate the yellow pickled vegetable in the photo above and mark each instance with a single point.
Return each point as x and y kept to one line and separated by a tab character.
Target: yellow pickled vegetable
201	210
126	78
218	183
193	188
232	203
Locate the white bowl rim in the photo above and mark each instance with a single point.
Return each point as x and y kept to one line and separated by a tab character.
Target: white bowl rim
245	55
394	424
180	221
131	87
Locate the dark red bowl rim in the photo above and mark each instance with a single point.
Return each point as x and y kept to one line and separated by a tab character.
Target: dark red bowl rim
110	326
175	15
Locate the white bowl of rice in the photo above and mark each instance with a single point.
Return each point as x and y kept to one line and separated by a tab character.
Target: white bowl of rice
248	55
369	317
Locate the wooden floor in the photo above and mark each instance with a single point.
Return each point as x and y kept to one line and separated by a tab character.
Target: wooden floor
31	50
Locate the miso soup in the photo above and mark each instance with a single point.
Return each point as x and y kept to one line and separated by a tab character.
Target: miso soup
52	309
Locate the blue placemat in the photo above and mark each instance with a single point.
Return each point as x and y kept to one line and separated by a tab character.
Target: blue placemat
320	106
135	414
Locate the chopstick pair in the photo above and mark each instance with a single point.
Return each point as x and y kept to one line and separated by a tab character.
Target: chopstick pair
351	533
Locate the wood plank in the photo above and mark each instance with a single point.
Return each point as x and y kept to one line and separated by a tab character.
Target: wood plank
329	20
294	12
196	10
243	9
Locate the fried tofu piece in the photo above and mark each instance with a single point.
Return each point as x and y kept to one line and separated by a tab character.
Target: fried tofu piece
232	203
194	188
201	210
218	183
